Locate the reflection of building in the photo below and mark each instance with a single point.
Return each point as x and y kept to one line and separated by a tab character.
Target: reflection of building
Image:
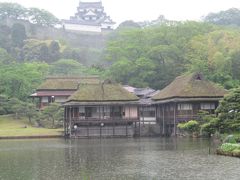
58	89
183	99
91	17
104	109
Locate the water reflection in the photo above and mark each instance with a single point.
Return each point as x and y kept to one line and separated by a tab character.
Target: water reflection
147	158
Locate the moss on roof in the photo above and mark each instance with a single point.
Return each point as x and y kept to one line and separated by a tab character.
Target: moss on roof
67	83
102	92
192	86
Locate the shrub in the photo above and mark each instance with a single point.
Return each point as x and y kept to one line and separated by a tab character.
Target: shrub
228	147
190	126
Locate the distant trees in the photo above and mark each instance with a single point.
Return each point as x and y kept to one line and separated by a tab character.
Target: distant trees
67	67
228	17
128	24
33	15
152	56
42	17
12	10
18	35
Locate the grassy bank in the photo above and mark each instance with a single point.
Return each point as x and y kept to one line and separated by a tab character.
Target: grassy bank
10	127
229	149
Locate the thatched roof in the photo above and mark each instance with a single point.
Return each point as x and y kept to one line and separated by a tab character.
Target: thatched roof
67	83
102	92
190	86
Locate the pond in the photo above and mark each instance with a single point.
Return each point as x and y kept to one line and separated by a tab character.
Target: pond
146	158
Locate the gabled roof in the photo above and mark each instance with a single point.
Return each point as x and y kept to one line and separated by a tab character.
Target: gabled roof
102	92
190	86
67	83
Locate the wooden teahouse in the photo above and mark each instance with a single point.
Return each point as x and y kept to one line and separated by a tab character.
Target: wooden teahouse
59	89
182	100
103	109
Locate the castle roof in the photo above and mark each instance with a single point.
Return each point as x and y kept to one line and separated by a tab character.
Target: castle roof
84	5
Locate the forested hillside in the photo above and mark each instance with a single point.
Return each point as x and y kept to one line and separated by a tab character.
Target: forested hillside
154	56
141	56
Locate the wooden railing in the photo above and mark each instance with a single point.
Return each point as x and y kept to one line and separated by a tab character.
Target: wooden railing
88	121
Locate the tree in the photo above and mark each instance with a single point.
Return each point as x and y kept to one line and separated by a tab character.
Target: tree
128	24
54	51
3	104
5	37
5	58
12	10
18	34
30	111
54	113
228	17
67	67
42	17
17	107
229	112
20	80
190	126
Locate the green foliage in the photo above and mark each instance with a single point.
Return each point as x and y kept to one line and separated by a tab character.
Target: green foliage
5	37
3	104
30	111
152	56
17	107
190	126
229	112
67	67
5	58
229	147
20	80
54	51
54	113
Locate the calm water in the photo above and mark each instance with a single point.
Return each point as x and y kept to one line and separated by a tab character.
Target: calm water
149	158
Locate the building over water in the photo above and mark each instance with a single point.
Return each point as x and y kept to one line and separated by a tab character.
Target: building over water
182	100
90	17
104	109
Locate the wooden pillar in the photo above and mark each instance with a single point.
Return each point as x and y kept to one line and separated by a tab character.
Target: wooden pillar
70	122
87	128
64	122
163	119
139	121
143	115
174	118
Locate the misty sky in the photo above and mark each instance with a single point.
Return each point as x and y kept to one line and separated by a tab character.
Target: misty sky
137	10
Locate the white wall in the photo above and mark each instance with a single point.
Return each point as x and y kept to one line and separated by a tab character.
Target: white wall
77	27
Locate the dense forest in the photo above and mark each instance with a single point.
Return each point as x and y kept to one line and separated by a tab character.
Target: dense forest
139	54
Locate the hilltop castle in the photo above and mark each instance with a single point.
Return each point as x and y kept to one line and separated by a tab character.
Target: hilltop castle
90	17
